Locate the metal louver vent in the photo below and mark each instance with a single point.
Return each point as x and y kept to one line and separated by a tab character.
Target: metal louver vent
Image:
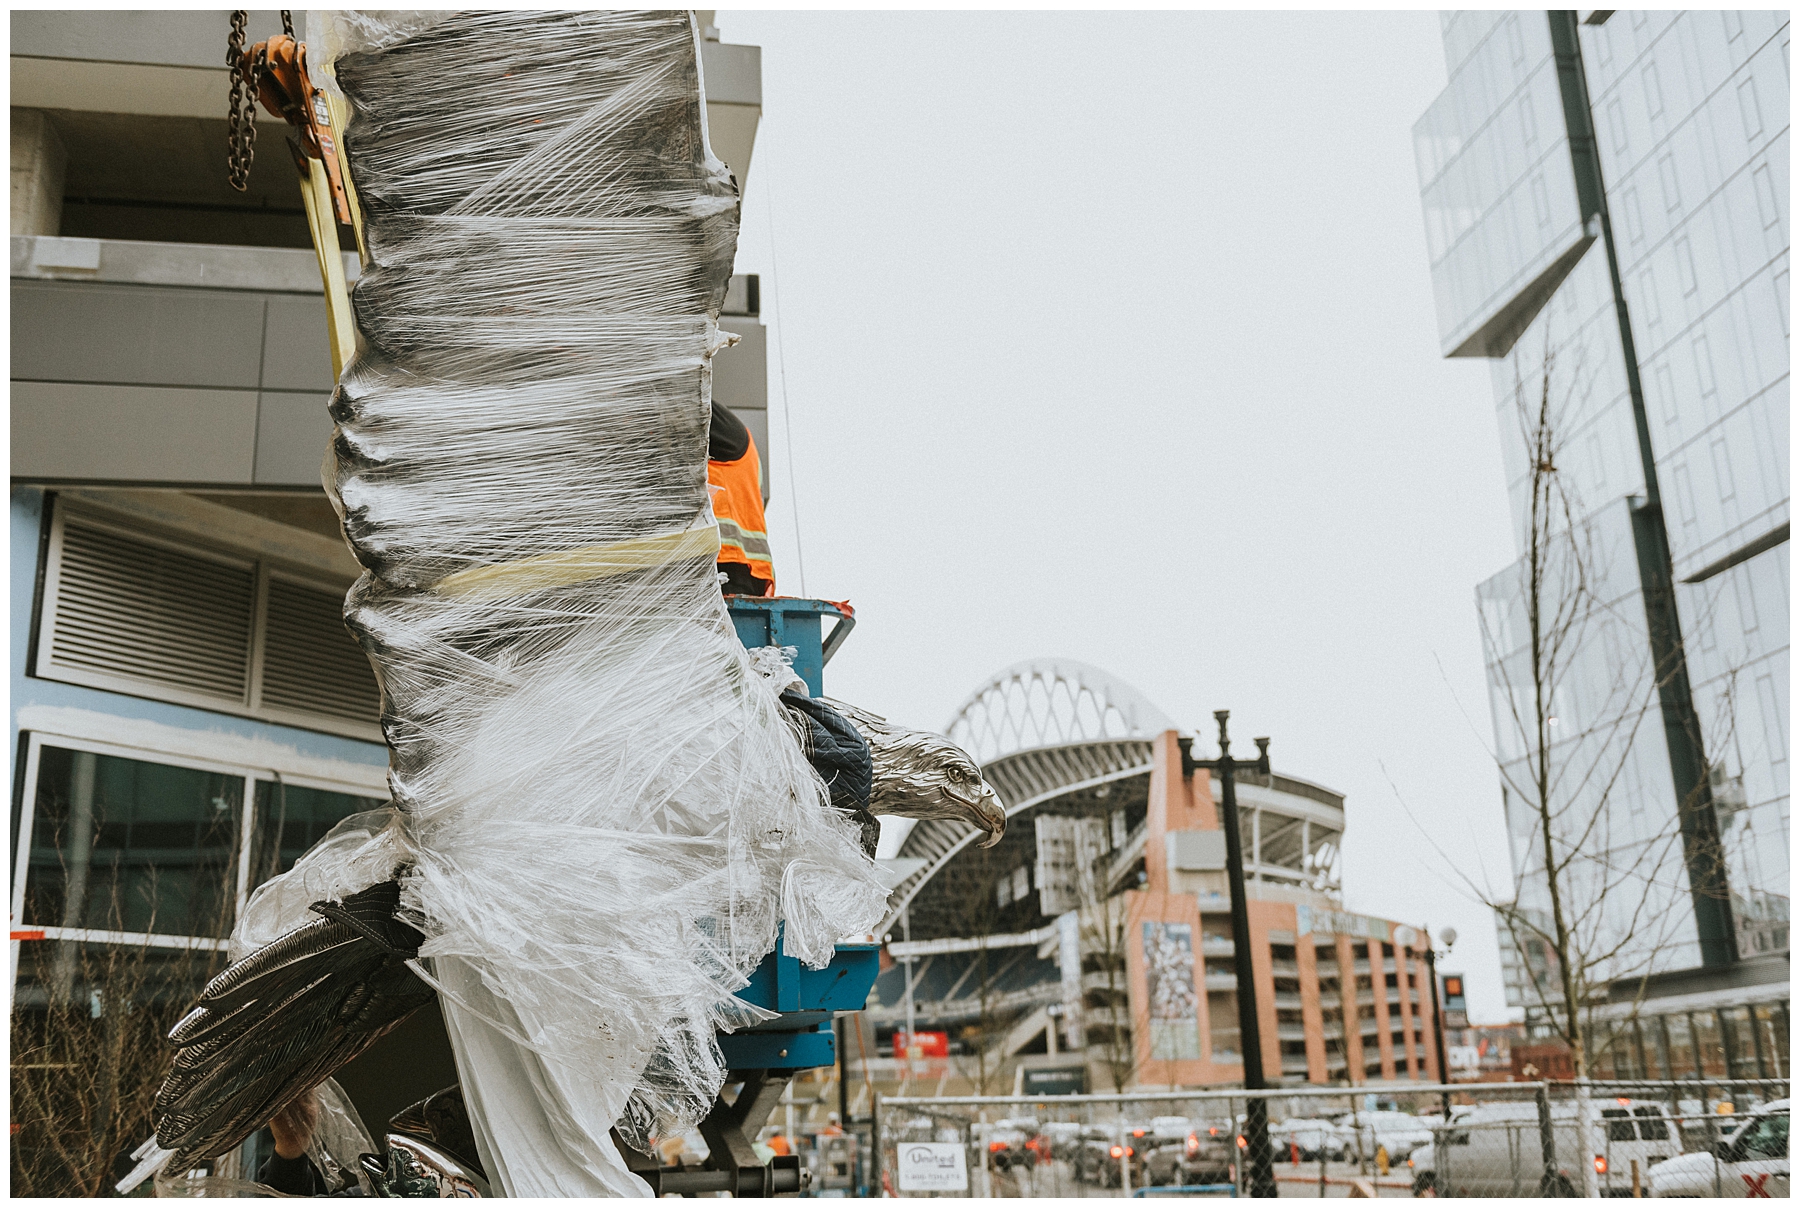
147	612
310	662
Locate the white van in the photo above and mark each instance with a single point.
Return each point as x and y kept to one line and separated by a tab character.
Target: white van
1752	1164
1497	1149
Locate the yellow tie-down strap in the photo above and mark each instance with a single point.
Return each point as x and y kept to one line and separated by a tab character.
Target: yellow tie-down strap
565	567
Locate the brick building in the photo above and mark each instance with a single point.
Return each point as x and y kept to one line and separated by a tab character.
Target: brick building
1097	935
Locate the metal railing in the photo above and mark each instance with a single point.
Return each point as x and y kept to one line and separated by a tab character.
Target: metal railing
1518	1139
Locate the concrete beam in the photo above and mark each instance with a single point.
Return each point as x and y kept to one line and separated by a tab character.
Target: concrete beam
38	161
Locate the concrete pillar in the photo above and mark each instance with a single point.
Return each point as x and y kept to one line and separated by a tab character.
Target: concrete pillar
1402	970
1264	918
1256	843
1177	803
1353	1049
38	160
1312	1009
1383	1031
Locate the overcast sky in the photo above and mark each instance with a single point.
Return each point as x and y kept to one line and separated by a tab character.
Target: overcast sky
1111	337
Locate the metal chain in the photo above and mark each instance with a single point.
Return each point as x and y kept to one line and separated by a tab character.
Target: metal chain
241	138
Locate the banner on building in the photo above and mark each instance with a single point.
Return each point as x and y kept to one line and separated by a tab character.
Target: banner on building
921	1044
1309	920
1067	851
1169	984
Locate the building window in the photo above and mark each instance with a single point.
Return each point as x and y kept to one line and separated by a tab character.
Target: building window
161	616
290	818
1527	120
1739	1042
1653	98
1682	1062
1615	122
1709	1045
1684	267
130	846
1703	367
1671	187
158	852
1767	205
1749	110
1648	1066
1772	1036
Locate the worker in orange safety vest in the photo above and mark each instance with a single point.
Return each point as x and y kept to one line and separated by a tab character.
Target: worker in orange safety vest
734	479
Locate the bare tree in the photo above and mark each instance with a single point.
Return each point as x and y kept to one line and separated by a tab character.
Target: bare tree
88	1054
1573	684
970	889
1106	1004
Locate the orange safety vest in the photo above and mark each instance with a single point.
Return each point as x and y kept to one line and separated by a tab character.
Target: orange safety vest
737	503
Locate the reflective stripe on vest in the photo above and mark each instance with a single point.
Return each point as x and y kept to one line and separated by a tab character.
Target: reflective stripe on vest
737	503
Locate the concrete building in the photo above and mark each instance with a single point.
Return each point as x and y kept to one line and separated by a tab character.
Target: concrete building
1606	205
188	712
1092	947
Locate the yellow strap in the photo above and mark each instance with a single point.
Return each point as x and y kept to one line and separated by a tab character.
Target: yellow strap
580	565
340	117
315	191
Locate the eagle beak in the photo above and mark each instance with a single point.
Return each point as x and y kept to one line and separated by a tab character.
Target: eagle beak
990	815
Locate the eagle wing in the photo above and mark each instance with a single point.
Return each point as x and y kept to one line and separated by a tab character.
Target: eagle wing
840	755
283	1019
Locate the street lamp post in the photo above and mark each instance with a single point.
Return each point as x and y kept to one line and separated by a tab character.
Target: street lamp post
1256	1110
1437	1009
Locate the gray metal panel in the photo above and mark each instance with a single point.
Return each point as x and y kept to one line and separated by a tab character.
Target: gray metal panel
741	373
201	265
67	332
177	38
733	72
1196	851
757	420
741	382
292	431
132	433
297	351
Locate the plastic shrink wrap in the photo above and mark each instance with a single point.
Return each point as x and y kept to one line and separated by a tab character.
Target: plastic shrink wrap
599	808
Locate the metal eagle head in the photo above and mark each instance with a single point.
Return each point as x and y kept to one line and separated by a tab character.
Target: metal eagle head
919	774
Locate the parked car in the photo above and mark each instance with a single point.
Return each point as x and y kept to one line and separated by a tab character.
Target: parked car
1752	1164
1006	1144
1702	1125
1203	1153
1091	1155
1315	1138
1497	1149
1059	1140
1098	1158
1397	1132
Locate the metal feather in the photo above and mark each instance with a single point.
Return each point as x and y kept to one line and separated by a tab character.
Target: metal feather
284	1019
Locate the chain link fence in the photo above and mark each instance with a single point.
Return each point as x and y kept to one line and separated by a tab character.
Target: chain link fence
1555	1139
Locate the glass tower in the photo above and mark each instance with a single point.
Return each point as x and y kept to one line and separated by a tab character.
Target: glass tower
1606	208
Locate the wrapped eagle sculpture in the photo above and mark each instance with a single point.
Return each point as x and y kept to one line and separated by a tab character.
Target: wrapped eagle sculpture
603	807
